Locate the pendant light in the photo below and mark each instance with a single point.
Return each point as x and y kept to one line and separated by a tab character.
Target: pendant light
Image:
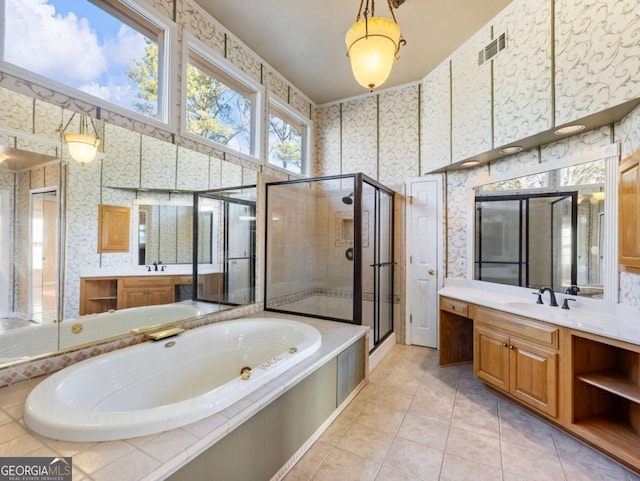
373	44
82	146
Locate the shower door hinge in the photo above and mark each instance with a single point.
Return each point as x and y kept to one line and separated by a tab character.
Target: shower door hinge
410	259
410	318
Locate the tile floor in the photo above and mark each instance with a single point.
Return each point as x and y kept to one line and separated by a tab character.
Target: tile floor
415	421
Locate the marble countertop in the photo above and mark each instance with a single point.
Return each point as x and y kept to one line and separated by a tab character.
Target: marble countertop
169	270
595	316
156	456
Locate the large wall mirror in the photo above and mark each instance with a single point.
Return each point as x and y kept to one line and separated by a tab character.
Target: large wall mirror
163	225
549	225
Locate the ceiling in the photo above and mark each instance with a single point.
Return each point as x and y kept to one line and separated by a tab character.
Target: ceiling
304	40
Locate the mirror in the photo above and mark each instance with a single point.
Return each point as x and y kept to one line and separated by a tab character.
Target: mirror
164	232
225	237
543	229
128	174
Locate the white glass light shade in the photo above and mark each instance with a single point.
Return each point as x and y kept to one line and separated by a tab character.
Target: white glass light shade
371	46
82	148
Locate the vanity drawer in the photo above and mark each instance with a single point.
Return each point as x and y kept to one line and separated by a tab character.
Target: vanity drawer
454	306
521	327
146	281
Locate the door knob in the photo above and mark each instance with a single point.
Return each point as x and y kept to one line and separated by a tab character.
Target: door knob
432	272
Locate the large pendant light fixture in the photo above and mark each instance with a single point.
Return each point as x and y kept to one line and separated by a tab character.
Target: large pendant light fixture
373	44
82	146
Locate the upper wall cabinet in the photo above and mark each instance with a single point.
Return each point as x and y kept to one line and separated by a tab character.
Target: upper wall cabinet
597	63
629	212
471	99
522	94
436	115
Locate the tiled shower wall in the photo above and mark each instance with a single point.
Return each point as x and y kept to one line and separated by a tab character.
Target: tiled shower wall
334	145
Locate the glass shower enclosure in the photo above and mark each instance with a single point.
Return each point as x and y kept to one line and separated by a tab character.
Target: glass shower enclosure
329	251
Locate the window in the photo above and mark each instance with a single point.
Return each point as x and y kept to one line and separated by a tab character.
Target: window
287	139
219	106
105	48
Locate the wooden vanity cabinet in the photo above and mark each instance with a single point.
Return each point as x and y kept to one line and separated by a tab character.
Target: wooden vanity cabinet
456	332
145	291
518	356
629	212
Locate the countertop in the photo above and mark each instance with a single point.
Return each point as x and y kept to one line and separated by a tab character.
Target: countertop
156	456
595	316
169	270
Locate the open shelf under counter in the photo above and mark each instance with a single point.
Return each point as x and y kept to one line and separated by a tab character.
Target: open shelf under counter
614	382
614	436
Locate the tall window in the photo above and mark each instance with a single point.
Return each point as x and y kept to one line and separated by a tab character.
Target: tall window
287	140
105	48
219	106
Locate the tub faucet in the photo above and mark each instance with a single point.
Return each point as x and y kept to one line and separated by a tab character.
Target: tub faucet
552	296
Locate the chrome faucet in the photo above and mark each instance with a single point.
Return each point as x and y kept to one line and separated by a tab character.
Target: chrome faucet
552	296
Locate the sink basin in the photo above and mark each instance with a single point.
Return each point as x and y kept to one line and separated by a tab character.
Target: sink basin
525	305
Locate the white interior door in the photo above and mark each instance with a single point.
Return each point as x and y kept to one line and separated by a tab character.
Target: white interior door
424	241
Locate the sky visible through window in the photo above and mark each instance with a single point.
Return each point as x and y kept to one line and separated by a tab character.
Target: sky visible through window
77	44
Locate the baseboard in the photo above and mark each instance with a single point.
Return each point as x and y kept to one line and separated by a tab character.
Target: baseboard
381	351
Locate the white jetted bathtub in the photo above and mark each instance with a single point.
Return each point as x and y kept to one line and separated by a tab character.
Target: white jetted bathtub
166	384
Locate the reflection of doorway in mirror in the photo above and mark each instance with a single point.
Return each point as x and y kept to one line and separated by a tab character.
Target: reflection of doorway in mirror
142	236
5	222
43	255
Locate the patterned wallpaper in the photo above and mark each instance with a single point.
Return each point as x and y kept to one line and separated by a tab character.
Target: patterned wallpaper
436	118
597	62
522	91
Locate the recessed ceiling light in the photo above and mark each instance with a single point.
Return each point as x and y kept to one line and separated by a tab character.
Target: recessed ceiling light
514	149
470	163
569	129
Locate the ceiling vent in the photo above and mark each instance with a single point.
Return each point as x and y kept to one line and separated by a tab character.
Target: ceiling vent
496	46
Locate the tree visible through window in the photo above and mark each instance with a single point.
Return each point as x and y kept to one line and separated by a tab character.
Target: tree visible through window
111	53
285	143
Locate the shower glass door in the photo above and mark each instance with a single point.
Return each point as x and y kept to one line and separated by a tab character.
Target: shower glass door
386	265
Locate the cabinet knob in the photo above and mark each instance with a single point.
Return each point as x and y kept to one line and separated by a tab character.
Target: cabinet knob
510	346
504	344
452	307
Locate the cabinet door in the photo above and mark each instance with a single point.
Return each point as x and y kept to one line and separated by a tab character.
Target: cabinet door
436	115
133	298
160	295
491	357
596	56
534	376
471	125
522	93
629	211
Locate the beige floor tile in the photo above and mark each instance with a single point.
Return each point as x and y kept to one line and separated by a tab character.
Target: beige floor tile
476	419
344	466
476	447
425	431
520	427
11	431
506	476
355	407
20	446
571	452
576	471
434	409
414	459
366	442
99	455
4	417
376	416
335	431
292	477
390	398
455	468
387	473
436	390
65	448
530	462
311	461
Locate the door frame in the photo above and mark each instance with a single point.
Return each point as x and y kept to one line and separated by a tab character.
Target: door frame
43	190
440	257
5	240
